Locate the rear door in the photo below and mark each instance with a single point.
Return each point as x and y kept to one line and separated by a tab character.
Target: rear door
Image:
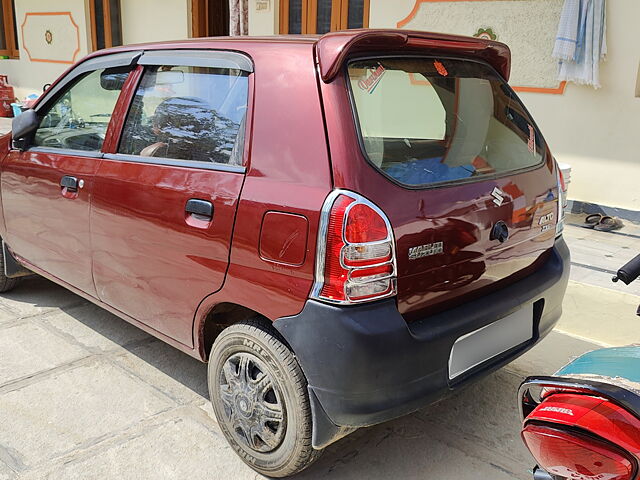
165	199
459	165
46	189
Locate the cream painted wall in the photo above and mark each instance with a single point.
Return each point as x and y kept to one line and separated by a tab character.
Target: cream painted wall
596	131
155	20
264	22
142	21
386	14
27	76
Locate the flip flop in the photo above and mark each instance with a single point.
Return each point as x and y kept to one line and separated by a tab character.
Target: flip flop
592	220
609	223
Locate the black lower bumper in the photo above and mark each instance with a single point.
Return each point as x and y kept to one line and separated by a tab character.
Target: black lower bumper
366	365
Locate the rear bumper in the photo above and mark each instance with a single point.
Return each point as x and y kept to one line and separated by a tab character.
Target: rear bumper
366	365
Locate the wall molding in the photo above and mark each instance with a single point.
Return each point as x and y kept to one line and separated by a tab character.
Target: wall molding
416	7
559	90
28	15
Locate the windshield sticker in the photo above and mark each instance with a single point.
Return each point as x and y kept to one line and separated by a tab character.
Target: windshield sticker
440	68
532	139
370	83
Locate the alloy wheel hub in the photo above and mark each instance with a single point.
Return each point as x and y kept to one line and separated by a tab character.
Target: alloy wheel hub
253	406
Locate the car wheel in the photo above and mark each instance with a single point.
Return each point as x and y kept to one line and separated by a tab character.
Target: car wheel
6	283
259	396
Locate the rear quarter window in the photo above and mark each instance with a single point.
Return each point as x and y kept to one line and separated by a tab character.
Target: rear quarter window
427	121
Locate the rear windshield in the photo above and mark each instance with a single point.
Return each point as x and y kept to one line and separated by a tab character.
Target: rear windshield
426	121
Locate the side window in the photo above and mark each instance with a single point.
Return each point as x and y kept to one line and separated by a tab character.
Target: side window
188	113
79	118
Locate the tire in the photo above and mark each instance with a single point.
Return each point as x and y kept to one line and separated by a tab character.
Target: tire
6	283
259	396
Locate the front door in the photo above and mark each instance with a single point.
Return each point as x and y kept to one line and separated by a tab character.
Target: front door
164	202
46	189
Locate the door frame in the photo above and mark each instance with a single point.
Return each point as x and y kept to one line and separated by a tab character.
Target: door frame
339	15
106	20
200	16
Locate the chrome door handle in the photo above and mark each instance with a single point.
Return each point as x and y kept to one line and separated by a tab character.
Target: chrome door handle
200	209
70	183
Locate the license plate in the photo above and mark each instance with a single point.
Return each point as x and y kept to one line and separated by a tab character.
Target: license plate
477	347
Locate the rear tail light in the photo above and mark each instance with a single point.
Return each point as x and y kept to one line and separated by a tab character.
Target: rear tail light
356	251
577	456
562	200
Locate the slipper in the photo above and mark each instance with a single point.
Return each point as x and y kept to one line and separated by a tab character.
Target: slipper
592	220
609	223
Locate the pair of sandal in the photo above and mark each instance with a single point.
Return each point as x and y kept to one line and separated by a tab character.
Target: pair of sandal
602	223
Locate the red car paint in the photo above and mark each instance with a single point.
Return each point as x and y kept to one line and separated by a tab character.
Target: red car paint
334	48
131	250
37	213
451	214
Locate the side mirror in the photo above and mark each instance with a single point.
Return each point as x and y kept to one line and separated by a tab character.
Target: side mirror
22	127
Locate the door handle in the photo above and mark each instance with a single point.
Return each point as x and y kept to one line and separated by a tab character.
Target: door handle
199	209
70	183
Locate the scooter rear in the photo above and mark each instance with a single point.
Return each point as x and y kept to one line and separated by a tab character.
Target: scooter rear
583	423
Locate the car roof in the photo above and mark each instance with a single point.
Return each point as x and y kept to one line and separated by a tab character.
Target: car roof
334	47
213	42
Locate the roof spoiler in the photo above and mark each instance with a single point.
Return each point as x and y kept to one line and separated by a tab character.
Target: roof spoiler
334	48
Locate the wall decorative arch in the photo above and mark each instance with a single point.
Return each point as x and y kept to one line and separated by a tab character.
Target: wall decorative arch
527	26
50	37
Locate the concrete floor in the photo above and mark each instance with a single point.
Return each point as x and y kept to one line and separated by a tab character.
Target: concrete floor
84	395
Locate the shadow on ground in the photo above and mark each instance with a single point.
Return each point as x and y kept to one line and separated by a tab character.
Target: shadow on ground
472	434
47	297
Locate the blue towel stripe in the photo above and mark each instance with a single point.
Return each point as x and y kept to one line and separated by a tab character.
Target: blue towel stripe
566	39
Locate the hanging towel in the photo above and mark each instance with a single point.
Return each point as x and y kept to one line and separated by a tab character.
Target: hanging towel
581	41
567	37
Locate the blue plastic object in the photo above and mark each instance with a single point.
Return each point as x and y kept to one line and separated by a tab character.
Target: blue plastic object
427	170
621	362
17	109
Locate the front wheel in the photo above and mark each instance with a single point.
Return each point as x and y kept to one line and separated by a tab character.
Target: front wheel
259	396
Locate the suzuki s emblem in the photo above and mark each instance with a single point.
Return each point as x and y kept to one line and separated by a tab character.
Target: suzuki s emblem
498	196
499	232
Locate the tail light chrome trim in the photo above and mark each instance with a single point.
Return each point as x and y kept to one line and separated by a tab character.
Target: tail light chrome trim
562	200
321	251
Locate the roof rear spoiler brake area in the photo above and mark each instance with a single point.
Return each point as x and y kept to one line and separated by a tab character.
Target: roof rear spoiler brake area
334	48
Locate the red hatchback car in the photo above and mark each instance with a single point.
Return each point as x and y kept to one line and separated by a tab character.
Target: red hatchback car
346	227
